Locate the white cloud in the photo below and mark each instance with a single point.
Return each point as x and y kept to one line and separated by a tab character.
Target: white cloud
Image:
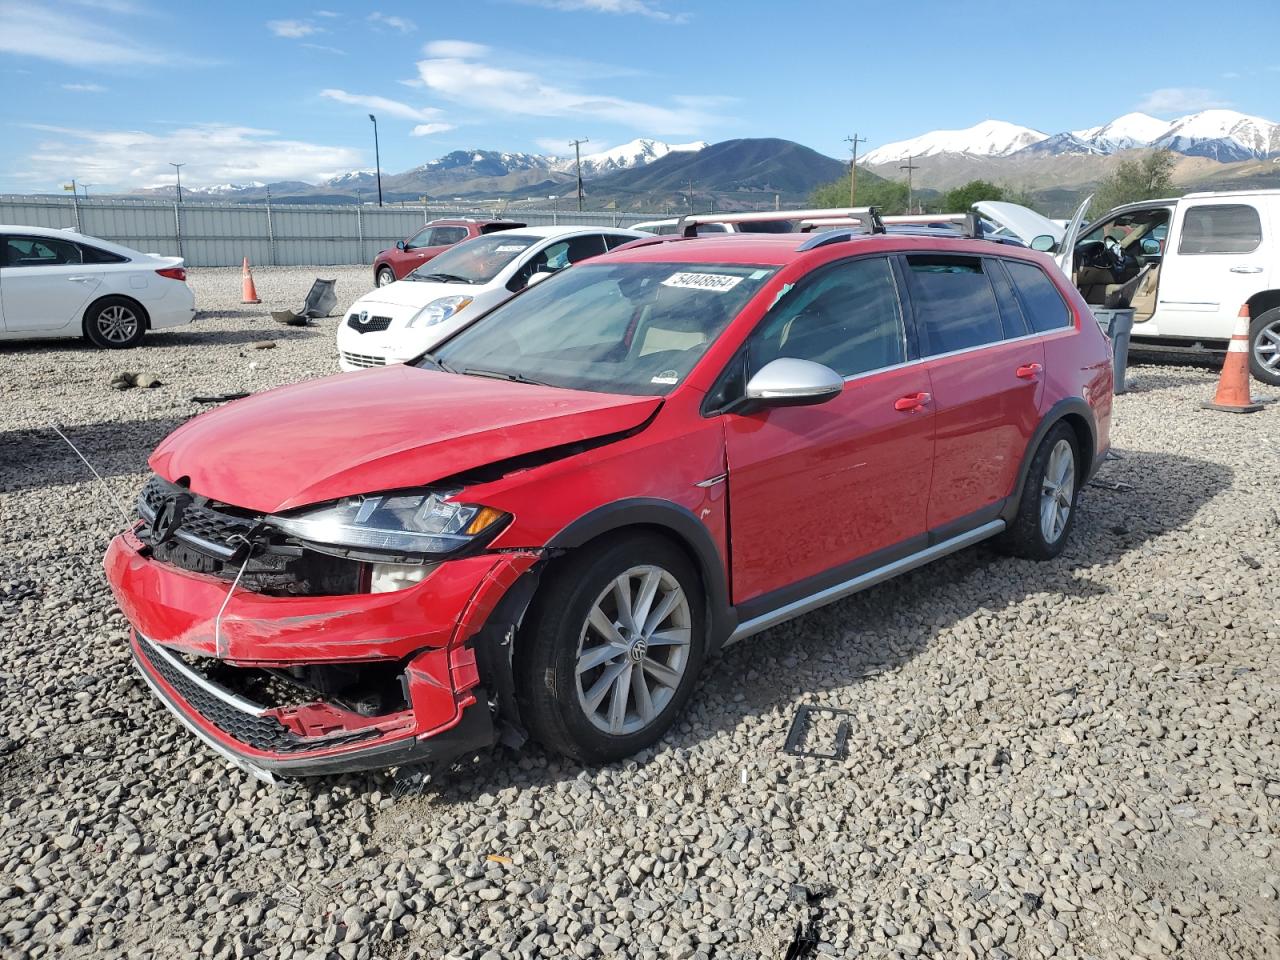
323	49
462	49
395	23
292	29
34	31
1176	100
394	108
426	129
465	78
84	87
326	13
642	8
213	153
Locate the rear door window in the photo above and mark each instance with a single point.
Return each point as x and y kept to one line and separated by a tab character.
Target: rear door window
1220	228
39	252
955	306
1042	303
845	316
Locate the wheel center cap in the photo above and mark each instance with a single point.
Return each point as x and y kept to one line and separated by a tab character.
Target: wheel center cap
639	648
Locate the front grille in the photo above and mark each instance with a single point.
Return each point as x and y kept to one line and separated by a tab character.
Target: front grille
261	733
363	360
363	323
212	540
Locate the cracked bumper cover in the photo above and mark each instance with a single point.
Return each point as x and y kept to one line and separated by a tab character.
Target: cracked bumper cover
427	627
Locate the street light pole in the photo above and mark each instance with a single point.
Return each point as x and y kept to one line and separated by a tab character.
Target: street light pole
177	169
853	164
377	157
577	160
909	166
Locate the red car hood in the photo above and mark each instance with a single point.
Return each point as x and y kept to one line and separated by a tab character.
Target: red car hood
378	430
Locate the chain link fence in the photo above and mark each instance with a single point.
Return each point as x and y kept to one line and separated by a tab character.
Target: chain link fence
221	235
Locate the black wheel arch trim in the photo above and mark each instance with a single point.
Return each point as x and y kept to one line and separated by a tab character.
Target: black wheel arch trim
1068	406
684	525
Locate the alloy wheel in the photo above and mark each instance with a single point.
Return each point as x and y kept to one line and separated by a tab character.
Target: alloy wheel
633	650
117	323
1057	491
386	278
1266	347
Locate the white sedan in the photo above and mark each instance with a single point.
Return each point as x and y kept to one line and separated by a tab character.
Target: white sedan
399	321
56	283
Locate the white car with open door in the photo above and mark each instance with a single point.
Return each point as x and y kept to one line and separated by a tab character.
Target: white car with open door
398	322
1185	266
56	283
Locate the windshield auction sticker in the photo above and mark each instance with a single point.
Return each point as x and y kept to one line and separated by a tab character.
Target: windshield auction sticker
715	282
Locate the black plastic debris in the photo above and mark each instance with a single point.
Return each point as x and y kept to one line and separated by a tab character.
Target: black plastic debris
219	397
1118	485
320	303
801	728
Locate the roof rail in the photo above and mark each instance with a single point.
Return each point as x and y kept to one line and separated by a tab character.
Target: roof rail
970	223
869	217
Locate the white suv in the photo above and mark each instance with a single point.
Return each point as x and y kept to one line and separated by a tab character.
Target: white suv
1186	266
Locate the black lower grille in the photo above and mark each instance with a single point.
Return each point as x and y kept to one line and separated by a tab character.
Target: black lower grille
261	733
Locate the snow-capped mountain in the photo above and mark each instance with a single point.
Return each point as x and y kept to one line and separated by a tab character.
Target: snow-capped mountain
990	138
1224	135
635	153
223	188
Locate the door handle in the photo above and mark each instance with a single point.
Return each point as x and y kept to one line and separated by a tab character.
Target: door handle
80	279
911	402
1029	371
1246	269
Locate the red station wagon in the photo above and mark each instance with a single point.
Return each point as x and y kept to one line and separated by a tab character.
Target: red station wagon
432	240
547	525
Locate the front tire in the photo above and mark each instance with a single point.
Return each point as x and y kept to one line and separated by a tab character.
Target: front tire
1264	347
385	276
612	649
115	323
1047	508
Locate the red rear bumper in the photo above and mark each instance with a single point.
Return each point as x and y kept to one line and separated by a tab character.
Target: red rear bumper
426	627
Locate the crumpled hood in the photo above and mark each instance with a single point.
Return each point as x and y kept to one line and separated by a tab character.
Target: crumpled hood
375	430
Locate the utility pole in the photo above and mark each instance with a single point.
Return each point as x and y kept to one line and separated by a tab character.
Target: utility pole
577	160
909	166
691	194
853	164
177	168
377	157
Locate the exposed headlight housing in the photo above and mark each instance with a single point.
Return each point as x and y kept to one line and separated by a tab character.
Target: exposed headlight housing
438	311
411	523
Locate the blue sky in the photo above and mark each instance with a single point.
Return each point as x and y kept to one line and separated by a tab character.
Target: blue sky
112	90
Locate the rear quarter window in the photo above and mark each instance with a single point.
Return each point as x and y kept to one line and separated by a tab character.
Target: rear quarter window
954	304
1220	228
94	255
1042	304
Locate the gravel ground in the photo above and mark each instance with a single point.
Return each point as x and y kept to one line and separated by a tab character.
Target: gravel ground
1072	759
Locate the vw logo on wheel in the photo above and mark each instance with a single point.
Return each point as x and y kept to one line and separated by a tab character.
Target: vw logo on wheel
639	649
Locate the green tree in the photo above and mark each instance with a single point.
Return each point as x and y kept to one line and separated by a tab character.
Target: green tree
889	196
962	198
1144	178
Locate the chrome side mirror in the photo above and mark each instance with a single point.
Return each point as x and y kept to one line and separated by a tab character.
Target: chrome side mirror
790	382
1044	243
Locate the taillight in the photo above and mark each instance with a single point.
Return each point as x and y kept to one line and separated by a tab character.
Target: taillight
174	273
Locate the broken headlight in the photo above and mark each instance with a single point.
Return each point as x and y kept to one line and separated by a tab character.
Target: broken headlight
408	522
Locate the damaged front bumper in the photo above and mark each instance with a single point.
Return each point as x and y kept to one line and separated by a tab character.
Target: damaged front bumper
239	670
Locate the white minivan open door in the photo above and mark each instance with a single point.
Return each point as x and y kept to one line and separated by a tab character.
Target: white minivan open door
1036	231
1066	249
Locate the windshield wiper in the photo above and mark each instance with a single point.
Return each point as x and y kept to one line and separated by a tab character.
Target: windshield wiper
502	375
440	364
444	278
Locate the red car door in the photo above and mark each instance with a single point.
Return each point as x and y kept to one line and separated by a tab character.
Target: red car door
987	372
427	243
815	491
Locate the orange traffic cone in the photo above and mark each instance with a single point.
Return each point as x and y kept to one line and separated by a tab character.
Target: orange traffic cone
1233	385
250	293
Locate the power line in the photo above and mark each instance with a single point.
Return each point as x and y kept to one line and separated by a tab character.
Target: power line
577	160
909	166
853	164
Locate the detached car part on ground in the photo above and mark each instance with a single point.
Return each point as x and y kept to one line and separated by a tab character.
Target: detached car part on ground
58	283
548	524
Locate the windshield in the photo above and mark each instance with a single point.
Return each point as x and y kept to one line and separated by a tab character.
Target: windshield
632	328
473	261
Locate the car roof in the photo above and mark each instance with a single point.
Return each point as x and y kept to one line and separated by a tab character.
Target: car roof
68	234
778	249
565	230
467	221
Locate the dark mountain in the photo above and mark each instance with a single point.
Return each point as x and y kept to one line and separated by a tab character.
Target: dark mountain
748	170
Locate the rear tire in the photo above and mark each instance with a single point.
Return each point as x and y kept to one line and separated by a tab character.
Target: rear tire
596	680
385	276
1047	508
115	323
1264	347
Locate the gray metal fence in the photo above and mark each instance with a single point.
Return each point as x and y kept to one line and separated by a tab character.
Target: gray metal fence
221	235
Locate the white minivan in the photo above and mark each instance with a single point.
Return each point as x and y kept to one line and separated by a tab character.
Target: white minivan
1185	266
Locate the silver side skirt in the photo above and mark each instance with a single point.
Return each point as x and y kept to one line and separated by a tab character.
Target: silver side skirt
862	581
